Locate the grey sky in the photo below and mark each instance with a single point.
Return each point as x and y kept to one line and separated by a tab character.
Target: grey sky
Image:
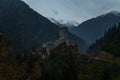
76	10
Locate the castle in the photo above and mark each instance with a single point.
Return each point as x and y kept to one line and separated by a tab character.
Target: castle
63	37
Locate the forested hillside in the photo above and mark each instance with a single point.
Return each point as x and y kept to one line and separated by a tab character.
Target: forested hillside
64	63
109	43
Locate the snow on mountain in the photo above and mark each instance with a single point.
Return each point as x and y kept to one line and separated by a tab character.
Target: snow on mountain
63	23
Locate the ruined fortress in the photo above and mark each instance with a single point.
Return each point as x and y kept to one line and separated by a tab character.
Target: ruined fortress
63	37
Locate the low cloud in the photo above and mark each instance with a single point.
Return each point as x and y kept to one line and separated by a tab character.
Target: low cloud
77	10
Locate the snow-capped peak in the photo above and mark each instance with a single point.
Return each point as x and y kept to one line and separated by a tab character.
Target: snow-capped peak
116	13
61	22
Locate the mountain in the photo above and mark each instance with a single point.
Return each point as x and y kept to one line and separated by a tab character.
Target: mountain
61	23
110	43
94	28
26	27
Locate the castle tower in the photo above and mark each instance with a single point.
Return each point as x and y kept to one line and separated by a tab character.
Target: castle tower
63	33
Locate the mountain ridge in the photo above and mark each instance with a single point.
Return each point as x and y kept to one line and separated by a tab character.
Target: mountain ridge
26	27
94	28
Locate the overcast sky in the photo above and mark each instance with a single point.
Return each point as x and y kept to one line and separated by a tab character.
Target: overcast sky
73	10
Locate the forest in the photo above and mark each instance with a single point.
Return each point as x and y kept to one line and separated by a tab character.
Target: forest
64	63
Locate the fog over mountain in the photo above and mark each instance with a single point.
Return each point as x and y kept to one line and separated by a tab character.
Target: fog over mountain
73	10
